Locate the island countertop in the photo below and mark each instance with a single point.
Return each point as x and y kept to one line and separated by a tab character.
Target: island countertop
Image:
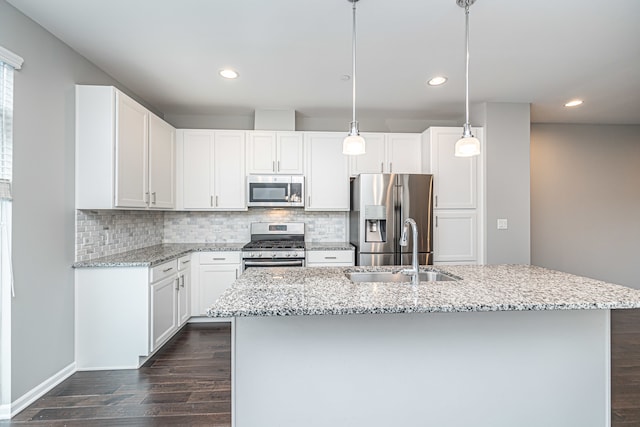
327	291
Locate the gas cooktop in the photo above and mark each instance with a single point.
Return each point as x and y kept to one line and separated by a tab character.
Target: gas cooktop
275	244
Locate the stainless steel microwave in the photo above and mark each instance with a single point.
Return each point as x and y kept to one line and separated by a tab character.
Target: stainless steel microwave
275	191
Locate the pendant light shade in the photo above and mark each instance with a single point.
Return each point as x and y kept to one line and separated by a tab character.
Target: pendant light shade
353	144
468	145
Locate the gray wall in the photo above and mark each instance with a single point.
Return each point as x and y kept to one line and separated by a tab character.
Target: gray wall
507	132
43	208
585	198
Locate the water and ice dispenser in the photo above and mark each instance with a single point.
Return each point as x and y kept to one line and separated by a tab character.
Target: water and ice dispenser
375	223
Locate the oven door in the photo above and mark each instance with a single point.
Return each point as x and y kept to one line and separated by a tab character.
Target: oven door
272	262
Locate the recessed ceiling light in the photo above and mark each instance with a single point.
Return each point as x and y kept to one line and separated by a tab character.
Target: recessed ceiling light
228	73
574	103
437	81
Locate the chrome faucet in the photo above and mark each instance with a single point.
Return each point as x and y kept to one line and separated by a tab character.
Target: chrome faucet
413	271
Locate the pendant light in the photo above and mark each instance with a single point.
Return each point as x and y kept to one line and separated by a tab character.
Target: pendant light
353	144
468	145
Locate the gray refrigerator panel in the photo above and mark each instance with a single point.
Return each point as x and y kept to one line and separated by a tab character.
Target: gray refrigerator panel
376	259
414	200
423	259
375	201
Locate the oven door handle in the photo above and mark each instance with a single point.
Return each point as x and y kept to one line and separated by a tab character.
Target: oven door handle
273	263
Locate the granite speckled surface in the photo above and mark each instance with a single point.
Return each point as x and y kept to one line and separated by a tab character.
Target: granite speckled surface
327	291
328	246
154	255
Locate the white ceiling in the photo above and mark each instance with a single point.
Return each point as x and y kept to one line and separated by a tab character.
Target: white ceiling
292	54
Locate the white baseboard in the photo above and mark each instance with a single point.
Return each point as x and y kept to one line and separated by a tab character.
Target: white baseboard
5	412
35	393
206	319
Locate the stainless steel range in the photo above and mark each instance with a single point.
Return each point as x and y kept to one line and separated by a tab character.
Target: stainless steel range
274	245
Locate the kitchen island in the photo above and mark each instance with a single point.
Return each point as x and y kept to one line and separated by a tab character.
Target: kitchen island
503	346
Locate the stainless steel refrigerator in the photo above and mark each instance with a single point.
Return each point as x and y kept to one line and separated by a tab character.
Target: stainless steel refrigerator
379	205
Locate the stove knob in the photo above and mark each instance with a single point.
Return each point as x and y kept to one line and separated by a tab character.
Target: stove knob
288	254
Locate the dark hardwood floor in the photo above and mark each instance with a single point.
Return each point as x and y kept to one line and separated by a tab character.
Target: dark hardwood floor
188	383
625	368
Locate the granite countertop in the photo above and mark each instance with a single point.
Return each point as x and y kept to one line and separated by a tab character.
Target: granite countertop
327	291
154	255
328	246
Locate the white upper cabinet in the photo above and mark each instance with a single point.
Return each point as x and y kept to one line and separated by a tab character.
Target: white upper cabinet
454	178
275	153
389	153
122	151
162	164
404	152
132	131
374	158
327	172
213	174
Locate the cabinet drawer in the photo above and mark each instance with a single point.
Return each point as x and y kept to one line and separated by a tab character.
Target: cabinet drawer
219	258
163	270
184	262
330	256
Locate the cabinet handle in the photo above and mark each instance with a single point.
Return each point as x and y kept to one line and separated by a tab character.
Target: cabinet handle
278	166
219	259
381	167
211	201
390	167
182	281
153	195
436	200
273	165
436	220
186	262
177	284
309	200
167	269
146	197
330	257
216	201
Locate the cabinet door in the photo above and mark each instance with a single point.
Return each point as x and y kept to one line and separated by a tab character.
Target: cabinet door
214	280
290	159
454	235
131	153
454	178
404	153
327	172
184	296
228	171
162	164
163	310
197	161
373	160
261	156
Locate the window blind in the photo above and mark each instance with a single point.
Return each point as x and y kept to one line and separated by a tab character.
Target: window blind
6	129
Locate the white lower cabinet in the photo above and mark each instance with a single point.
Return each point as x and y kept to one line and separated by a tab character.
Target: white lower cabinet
124	314
455	236
216	272
330	258
163	310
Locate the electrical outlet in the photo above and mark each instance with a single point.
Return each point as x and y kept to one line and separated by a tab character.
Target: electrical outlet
503	224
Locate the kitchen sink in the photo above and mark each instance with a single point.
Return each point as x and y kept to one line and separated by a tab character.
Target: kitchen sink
387	276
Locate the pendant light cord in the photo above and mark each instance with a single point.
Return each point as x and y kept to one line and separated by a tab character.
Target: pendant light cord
353	51
466	13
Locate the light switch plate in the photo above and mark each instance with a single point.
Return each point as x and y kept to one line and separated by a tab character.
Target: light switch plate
503	224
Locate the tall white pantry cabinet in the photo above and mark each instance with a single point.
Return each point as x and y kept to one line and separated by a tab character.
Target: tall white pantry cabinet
125	155
458	199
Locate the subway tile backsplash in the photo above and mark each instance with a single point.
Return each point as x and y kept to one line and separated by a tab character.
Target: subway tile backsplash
233	227
109	232
102	233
